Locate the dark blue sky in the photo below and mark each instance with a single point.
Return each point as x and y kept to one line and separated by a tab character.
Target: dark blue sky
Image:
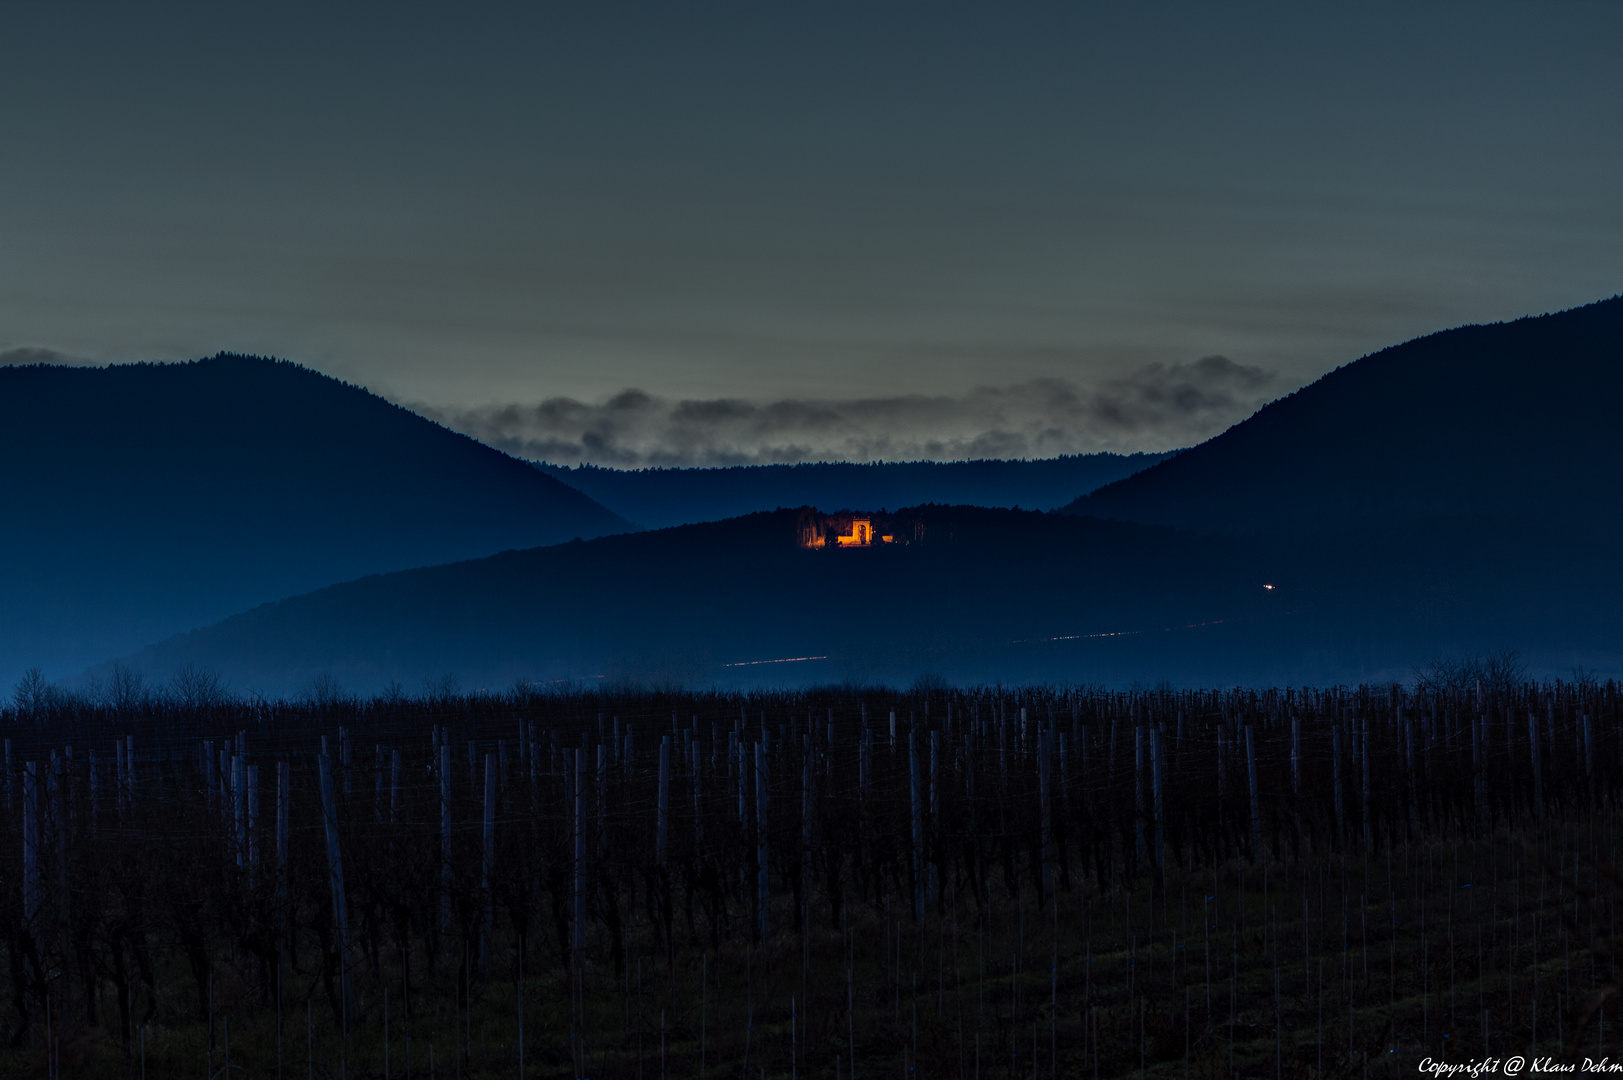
870	213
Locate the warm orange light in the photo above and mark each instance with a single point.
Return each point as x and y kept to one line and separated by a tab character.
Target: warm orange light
818	532
861	534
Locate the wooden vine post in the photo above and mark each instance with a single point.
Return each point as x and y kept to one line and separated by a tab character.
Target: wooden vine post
335	879
487	871
1256	804
918	824
762	881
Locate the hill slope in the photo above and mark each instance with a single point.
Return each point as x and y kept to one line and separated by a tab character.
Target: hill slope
659	498
708	603
145	499
976	595
1511	418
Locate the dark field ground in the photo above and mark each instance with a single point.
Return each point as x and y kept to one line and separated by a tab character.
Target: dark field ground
999	883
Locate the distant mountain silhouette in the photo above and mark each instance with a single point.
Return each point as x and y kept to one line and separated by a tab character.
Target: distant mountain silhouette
658	498
1517	418
1454	495
145	499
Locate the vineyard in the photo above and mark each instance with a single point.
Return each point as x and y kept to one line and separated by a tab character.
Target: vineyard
1038	882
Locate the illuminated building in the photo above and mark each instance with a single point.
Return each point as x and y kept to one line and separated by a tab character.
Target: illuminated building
861	534
839	531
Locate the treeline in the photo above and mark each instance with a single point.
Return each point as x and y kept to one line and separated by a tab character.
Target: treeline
570	883
662	497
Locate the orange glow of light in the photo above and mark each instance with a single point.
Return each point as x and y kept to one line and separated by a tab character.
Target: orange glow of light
861	534
816	531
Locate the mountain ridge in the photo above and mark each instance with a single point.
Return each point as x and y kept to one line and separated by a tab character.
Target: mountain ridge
146	498
1492	418
660	497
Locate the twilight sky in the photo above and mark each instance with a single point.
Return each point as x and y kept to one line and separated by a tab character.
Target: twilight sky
803	233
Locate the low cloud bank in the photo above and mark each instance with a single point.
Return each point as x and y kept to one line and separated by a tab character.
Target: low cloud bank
25	355
1156	408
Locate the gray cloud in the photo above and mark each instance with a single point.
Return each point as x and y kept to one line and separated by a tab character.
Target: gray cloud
25	354
1158	407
